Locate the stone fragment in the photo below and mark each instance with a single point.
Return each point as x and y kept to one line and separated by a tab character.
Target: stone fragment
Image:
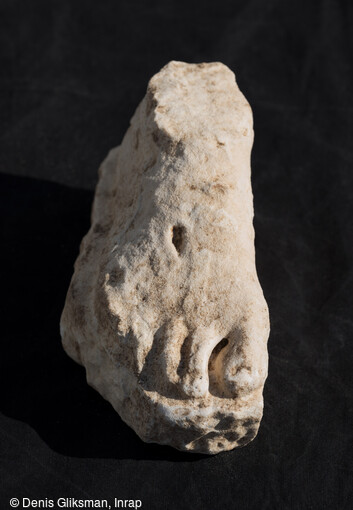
164	309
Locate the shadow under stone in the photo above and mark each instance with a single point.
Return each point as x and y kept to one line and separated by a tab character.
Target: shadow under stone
42	226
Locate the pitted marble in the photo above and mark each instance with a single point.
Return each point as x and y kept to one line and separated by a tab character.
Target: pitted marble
165	309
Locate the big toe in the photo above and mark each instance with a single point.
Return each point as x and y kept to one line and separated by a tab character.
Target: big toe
244	362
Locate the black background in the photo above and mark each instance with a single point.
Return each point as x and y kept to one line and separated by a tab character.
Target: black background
72	74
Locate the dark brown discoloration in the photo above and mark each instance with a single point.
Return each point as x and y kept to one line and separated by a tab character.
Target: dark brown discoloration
100	229
231	436
116	277
226	423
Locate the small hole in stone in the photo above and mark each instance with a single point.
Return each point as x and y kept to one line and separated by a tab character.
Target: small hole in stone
217	349
178	234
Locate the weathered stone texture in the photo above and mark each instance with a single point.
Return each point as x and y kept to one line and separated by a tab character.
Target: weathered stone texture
165	309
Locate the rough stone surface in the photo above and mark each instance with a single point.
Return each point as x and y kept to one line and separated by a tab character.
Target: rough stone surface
165	309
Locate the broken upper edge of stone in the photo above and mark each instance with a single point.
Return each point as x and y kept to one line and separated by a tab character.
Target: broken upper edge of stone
111	323
175	95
